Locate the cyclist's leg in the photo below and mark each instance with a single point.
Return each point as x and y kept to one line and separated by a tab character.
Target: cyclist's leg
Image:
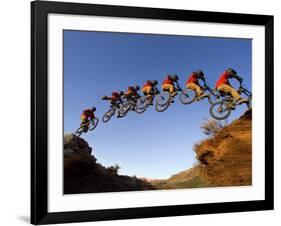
236	96
196	88
150	95
172	90
229	90
82	118
166	87
85	124
147	91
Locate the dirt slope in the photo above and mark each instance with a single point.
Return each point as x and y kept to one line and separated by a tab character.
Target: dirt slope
82	173
190	178
224	160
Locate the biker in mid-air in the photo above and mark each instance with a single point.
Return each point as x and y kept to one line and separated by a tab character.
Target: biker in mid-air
115	100
131	96
223	85
86	116
132	92
149	89
193	83
169	84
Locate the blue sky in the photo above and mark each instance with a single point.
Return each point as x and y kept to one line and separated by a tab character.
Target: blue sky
153	145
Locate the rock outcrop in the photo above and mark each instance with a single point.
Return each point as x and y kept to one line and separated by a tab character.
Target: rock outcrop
82	173
226	159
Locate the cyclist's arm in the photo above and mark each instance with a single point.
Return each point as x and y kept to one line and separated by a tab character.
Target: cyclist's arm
203	80
155	90
177	84
238	78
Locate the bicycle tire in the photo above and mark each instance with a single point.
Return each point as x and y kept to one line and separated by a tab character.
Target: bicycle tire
212	99
143	101
213	111
187	96
94	124
159	106
162	100
79	131
107	115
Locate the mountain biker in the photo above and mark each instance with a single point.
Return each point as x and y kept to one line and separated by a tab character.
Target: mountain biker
149	89
193	83
86	116
115	100
224	86
169	84
132	92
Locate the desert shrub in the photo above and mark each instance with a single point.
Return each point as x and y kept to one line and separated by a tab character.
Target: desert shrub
212	127
113	169
67	138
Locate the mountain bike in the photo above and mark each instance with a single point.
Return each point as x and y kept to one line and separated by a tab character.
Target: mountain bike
222	108
129	104
89	125
188	96
113	109
164	99
145	101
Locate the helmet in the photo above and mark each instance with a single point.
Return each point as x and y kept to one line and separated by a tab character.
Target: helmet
121	93
200	73
149	82
137	87
93	109
231	71
169	76
154	82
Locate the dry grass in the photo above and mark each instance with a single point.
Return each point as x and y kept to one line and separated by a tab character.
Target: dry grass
212	127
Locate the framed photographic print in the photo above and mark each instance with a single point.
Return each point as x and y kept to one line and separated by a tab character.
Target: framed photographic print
144	112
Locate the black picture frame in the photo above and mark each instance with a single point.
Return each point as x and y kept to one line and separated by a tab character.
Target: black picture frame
39	112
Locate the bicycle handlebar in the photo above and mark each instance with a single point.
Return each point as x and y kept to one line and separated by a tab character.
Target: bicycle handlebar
156	90
244	90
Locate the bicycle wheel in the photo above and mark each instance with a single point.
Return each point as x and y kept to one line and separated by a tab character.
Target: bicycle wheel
79	131
107	116
124	109
212	99
163	101
141	105
163	98
187	96
220	111
249	104
123	113
94	123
